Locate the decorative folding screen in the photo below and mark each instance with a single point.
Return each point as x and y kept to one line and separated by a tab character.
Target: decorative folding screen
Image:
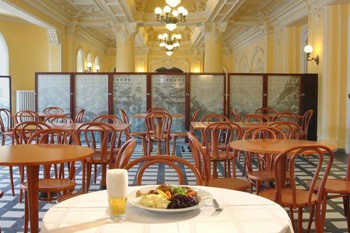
91	94
246	93
207	94
129	93
168	91
283	93
53	90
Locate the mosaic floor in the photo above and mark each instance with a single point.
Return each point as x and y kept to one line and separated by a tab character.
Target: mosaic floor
11	211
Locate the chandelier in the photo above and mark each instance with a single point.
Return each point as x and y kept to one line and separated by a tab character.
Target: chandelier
169	42
170	16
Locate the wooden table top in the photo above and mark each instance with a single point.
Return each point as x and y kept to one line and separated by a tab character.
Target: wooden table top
75	126
34	154
244	125
274	146
143	115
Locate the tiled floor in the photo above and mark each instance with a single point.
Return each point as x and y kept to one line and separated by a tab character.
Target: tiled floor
11	211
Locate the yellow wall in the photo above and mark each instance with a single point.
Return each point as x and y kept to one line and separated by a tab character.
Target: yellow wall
28	47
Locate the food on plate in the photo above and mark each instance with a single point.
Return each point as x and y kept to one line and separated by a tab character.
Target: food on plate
168	197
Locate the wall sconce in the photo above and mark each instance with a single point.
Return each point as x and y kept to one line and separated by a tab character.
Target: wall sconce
308	50
97	68
89	67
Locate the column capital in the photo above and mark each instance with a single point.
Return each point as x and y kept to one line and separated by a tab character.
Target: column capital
55	36
125	31
142	50
213	29
71	29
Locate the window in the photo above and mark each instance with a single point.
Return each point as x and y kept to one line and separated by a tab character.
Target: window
80	61
5	81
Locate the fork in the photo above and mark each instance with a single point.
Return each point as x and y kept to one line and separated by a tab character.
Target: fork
216	205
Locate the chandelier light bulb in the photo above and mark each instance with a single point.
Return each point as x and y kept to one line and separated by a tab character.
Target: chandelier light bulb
169	47
158	11
185	12
176	44
160	37
165	36
162	44
170	26
308	49
167	9
175	13
181	10
169	53
173	3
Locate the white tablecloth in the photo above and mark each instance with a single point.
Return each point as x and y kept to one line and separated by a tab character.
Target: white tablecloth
243	212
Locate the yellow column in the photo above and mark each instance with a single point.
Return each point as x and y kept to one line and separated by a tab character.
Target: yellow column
55	50
125	57
213	57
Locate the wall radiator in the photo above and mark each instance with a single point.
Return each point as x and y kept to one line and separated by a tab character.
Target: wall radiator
25	100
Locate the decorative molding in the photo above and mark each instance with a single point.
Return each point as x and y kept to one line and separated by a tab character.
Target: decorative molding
316	11
168	63
141	51
228	51
198	51
213	30
55	37
125	31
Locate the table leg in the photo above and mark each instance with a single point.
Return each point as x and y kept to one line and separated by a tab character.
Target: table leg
103	179
215	172
33	200
159	135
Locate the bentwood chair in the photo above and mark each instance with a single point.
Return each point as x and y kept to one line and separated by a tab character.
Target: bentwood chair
265	173
7	131
172	162
26	115
157	109
102	138
52	185
265	110
305	121
254	118
79	116
235	116
297	197
177	135
23	131
125	120
202	163
58	119
53	111
158	125
290	129
217	137
125	153
286	116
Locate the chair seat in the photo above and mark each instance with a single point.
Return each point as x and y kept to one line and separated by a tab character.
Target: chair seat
96	158
179	134
52	185
229	183
287	201
264	175
223	155
335	186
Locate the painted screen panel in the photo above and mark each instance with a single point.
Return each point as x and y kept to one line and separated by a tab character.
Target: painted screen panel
5	93
207	94
169	91
91	94
283	93
129	93
246	93
54	90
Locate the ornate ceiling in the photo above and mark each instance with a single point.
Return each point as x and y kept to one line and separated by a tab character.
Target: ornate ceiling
97	17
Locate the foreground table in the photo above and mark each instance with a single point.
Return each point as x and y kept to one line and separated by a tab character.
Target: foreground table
32	156
243	212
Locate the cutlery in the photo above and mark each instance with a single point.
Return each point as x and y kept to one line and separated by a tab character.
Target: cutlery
216	205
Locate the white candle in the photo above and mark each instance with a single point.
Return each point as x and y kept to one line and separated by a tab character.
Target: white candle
117	183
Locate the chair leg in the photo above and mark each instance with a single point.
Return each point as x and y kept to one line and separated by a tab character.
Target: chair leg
95	173
26	213
174	144
88	176
257	186
312	210
21	172
11	180
300	219
291	215
346	210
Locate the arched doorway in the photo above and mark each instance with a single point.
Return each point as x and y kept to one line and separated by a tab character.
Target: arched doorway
4	55
80	61
169	70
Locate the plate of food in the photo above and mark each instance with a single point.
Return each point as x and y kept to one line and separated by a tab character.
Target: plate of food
169	198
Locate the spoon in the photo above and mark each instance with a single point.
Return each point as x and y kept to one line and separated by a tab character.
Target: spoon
216	205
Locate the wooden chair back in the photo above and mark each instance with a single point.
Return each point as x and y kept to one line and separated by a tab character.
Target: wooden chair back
286	116
125	120
99	136
23	131
157	109
53	111
174	162
54	136
26	115
265	110
109	119
213	117
235	115
254	118
125	153
290	129
58	119
5	120
155	121
305	123
79	117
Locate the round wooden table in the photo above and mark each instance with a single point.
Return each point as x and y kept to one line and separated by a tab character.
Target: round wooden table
32	156
274	146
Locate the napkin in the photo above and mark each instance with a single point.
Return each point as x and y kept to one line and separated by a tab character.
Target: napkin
117	183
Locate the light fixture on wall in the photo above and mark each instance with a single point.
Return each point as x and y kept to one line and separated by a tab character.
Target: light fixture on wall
89	67
171	16
169	41
308	50
97	68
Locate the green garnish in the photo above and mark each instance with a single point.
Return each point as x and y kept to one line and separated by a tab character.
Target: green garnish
178	190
